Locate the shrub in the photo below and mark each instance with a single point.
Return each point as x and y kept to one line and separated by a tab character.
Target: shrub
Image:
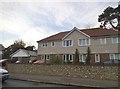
55	59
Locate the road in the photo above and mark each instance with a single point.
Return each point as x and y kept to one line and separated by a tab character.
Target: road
18	83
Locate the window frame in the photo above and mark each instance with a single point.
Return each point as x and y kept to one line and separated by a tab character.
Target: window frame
70	57
97	60
81	58
69	44
44	44
52	44
103	40
116	38
86	42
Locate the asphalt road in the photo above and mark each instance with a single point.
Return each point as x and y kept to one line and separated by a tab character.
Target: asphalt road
18	83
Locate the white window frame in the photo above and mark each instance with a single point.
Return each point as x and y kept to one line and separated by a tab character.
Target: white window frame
116	38
44	44
64	44
81	57
52	44
45	57
103	40
116	56
86	42
69	55
97	59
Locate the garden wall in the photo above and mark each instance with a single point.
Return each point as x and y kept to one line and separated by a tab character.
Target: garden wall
80	71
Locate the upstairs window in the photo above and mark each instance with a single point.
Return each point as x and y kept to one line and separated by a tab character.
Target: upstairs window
44	44
52	44
84	42
103	40
67	43
115	39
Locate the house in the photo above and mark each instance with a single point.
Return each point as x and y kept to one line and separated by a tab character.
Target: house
102	42
1	50
23	56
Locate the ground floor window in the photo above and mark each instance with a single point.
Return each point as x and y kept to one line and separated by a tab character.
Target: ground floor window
97	58
68	58
45	57
114	56
82	57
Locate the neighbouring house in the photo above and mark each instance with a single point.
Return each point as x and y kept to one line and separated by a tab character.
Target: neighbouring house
1	50
23	56
102	42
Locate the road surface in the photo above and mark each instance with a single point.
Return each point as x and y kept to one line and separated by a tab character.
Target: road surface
19	83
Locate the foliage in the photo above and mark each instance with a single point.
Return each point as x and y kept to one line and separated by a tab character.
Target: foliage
88	58
76	59
55	59
12	48
110	16
19	42
31	48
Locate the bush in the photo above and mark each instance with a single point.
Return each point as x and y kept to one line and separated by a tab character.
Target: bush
55	59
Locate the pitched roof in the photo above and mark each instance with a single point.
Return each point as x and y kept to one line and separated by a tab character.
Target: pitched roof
27	53
96	32
92	32
55	37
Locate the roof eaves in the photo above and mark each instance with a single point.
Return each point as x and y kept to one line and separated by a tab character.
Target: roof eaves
74	30
15	52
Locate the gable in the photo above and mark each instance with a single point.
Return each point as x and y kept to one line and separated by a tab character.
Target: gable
20	53
76	32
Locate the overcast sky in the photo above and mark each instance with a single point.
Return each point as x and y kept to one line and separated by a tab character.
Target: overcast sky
33	20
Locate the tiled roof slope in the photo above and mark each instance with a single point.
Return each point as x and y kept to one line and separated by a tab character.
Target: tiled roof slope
96	32
92	32
55	37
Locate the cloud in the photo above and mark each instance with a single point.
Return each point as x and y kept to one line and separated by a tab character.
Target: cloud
32	20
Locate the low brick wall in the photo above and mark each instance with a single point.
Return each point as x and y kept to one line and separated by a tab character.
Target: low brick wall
80	71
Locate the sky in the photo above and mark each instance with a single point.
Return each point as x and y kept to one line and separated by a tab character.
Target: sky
33	20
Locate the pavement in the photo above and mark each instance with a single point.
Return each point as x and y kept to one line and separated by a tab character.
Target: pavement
107	84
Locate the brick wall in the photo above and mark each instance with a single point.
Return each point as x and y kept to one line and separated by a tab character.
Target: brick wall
81	71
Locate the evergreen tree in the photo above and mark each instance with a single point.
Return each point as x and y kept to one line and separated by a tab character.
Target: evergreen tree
110	16
76	58
88	58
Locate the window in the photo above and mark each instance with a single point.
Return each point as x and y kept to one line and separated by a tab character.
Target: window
82	57
84	42
115	39
103	40
68	57
52	44
97	58
67	43
45	57
114	56
44	44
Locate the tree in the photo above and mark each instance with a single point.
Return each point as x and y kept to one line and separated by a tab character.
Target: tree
31	48
110	16
18	44
88	58
76	59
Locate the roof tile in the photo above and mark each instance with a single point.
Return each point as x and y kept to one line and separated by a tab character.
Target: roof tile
92	32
